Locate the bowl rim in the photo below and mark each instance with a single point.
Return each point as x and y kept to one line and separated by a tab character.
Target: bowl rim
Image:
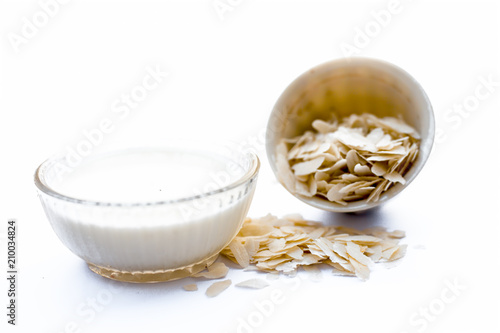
426	141
249	176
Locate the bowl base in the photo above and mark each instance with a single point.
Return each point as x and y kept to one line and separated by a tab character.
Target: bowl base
152	276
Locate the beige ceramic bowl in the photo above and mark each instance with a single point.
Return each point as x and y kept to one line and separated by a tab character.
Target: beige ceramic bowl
344	87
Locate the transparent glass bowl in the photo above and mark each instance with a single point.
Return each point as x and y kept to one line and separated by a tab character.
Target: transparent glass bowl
151	241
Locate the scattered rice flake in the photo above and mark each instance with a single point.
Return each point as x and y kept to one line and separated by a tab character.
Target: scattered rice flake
400	253
253	283
323	127
397	234
375	253
354	251
190	287
295	252
252	246
291	274
362	170
317	233
253	229
395	177
379	168
362	239
240	253
215	271
217	287
277	245
387	254
400	126
308	167
334	193
285	174
312	269
333	159
287	266
251	269
352	159
362	271
340	270
300	243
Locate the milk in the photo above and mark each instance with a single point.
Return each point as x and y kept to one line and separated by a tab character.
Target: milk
132	228
146	176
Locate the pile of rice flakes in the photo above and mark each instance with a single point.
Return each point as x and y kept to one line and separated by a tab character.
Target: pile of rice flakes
283	244
358	158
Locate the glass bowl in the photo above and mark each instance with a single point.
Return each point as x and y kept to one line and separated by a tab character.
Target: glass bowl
149	214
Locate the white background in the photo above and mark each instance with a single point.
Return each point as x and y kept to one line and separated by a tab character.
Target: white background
225	73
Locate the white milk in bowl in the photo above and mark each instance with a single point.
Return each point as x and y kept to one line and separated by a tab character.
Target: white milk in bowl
148	215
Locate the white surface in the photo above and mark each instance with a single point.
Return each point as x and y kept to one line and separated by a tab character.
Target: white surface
224	77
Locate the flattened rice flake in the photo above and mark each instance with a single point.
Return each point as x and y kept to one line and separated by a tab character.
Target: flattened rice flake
358	158
293	242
